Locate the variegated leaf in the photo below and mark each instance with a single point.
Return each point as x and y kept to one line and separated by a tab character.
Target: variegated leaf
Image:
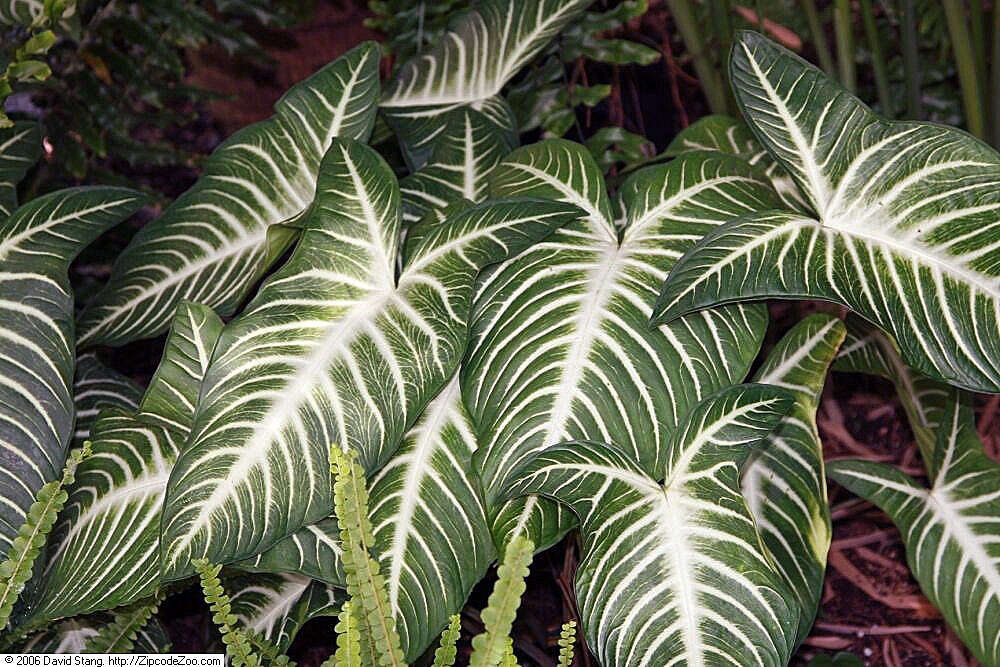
728	135
468	149
217	239
783	483
482	51
276	606
104	548
673	570
334	349
906	228
561	346
951	530
72	635
432	538
20	147
98	386
868	350
37	360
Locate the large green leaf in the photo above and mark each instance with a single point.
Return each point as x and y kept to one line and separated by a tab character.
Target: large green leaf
276	606
728	135
561	346
104	548
484	48
334	349
213	243
468	149
905	231
37	360
96	386
951	530
868	350
20	147
783	483
673	570
432	538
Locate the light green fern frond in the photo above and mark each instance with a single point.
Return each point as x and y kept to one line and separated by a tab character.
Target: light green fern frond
16	569
567	638
348	652
237	645
120	634
488	648
446	651
365	583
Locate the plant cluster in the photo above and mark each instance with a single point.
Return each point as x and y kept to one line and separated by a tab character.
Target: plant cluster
372	388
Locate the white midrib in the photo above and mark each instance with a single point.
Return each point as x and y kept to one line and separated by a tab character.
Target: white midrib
11	243
601	285
778	373
298	389
971	544
251	240
681	577
436	417
817	180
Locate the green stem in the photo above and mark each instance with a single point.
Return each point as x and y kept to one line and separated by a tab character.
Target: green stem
977	19
723	27
879	68
818	37
845	43
708	75
911	61
968	78
995	78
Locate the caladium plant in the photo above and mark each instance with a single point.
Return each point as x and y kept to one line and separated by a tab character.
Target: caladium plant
902	228
674	568
561	348
469	66
334	349
104	549
214	243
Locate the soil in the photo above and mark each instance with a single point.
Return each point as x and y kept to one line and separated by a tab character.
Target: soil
871	607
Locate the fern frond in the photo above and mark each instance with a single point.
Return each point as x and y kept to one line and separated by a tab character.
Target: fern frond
348	653
120	634
488	648
237	645
365	583
567	638
17	568
446	651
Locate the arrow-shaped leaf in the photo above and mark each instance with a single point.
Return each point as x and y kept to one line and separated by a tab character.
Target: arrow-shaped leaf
469	147
484	48
905	233
334	349
37	360
104	549
212	244
673	571
561	346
